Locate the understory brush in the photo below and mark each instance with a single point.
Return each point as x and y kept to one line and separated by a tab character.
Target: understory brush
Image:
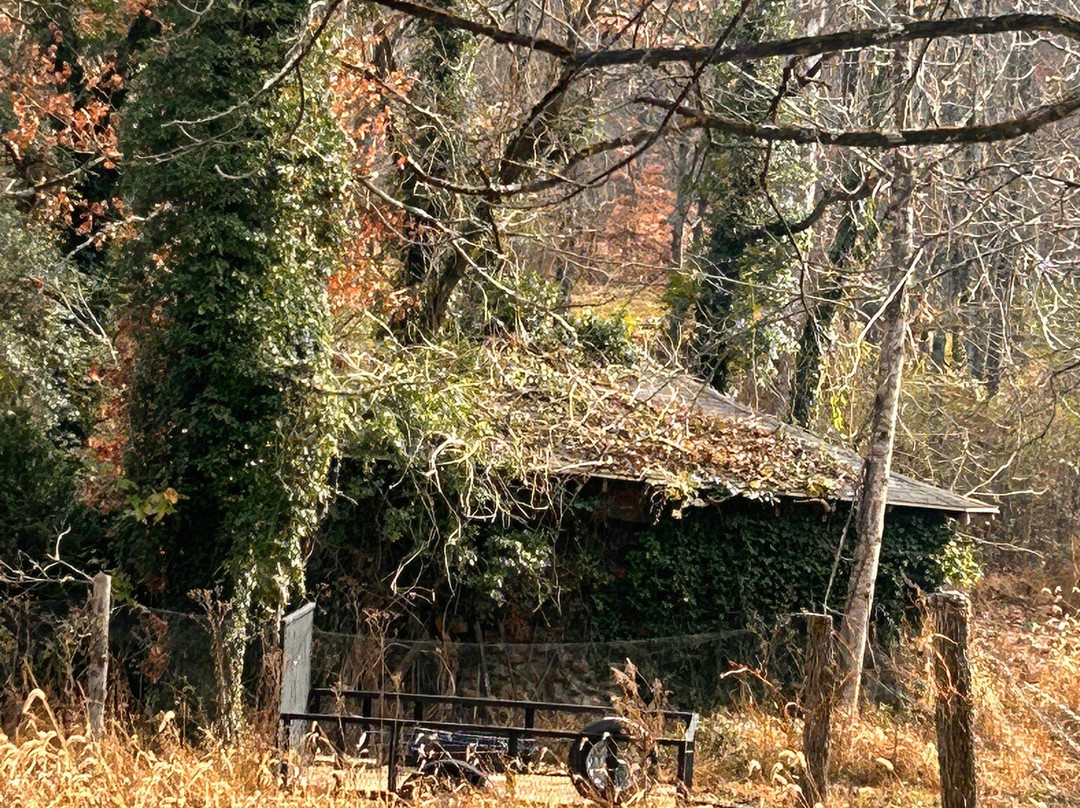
1025	657
1025	653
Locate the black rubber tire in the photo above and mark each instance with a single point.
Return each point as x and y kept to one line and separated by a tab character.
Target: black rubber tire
453	772
613	730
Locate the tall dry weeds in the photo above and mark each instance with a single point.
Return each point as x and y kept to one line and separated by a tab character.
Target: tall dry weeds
1025	654
44	767
1026	658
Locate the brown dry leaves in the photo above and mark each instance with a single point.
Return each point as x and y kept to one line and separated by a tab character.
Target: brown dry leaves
557	414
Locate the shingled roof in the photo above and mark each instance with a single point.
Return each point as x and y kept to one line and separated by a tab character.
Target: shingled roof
903	490
530	413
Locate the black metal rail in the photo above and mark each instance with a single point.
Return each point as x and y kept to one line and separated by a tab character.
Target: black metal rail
515	734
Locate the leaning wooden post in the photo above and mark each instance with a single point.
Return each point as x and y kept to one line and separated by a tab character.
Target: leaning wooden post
953	710
819	692
98	674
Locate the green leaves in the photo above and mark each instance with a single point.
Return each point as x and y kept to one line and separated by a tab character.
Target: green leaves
228	278
47	353
155	506
744	563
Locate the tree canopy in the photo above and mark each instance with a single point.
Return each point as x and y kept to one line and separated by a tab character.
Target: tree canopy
246	243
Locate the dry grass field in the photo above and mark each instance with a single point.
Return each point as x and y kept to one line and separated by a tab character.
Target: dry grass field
1026	653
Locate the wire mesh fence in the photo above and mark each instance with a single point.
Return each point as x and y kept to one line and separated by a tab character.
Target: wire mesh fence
691	667
163	660
160	660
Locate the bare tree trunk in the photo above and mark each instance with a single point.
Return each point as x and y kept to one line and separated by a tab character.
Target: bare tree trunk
820	315
937	347
873	494
681	209
873	497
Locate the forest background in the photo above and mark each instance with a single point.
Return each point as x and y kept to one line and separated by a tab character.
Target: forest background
248	245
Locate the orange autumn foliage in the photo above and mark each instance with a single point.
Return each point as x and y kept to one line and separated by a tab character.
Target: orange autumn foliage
366	280
635	237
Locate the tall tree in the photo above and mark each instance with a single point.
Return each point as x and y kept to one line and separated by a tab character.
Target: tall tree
230	437
821	312
735	188
874	490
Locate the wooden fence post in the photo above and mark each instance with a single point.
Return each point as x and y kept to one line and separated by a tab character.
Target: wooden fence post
819	692
953	709
98	674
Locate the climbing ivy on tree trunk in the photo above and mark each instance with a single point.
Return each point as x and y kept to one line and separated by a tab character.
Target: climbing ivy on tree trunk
228	429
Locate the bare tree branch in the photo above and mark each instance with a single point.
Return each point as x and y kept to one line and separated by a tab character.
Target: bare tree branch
493	191
51	570
781	228
838	41
1059	24
494	33
1025	124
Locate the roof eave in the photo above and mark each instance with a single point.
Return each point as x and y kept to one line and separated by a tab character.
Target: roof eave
972	507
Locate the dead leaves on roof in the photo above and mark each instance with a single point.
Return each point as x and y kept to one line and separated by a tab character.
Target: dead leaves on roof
537	413
571	418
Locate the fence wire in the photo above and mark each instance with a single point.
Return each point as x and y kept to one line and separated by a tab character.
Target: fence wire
690	667
163	660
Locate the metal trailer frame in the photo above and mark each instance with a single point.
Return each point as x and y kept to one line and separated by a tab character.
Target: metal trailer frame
515	733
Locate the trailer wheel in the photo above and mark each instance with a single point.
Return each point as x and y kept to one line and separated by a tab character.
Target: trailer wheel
610	762
440	775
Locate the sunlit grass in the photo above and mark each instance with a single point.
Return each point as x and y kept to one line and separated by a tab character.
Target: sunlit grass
1026	676
1026	659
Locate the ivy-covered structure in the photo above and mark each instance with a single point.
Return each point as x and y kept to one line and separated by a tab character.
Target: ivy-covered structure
581	501
761	534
